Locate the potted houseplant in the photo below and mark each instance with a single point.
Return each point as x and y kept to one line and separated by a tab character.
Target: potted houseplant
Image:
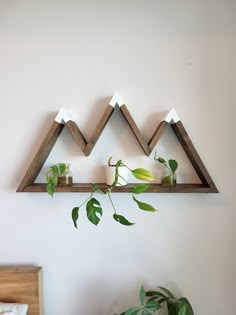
58	174
111	173
158	301
169	177
93	206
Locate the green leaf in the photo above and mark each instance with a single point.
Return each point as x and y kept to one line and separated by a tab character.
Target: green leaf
54	170
153	305
144	206
146	312
55	181
142	296
143	174
75	216
184	300
121	219
183	310
93	208
171	308
173	165
49	179
161	160
62	168
155	293
132	311
50	189
138	189
167	292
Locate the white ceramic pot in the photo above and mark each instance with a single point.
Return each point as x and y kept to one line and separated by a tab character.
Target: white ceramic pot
123	175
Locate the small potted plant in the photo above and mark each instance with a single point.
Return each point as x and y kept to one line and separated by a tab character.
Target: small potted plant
169	177
111	173
93	206
58	174
158	301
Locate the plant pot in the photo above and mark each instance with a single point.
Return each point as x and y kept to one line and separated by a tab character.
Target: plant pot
65	180
122	178
168	180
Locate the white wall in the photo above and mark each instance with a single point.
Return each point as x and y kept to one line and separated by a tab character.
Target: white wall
157	54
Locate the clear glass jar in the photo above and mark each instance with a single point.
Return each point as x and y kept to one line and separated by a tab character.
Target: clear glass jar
66	178
168	179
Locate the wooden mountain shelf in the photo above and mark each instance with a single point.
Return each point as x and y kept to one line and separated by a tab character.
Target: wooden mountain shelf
62	120
154	188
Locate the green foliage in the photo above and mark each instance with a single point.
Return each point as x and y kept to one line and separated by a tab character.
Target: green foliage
121	219
142	174
94	208
172	165
60	169
153	301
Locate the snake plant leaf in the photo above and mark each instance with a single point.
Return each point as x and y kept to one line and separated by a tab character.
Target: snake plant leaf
62	168
75	216
50	189
93	208
138	189
144	206
132	311
143	174
173	165
54	170
142	296
122	220
153	305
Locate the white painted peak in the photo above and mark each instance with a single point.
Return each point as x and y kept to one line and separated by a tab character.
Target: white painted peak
116	99
62	116
171	117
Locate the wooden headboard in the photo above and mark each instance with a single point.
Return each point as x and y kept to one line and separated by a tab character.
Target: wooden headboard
22	284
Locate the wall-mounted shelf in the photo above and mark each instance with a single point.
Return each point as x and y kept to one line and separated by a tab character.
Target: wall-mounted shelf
63	119
153	188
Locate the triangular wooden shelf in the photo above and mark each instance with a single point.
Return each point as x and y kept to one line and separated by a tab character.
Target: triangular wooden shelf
62	119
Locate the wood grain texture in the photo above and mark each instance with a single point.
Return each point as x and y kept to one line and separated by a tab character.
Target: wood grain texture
22	285
193	156
135	130
153	188
27	184
77	134
41	156
98	130
157	134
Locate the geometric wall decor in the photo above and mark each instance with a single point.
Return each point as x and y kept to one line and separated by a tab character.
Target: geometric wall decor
63	119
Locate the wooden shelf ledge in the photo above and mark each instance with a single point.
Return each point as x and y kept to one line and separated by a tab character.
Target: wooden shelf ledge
154	188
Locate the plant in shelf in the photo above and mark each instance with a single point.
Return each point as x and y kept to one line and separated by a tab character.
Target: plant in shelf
169	177
93	206
158	301
58	174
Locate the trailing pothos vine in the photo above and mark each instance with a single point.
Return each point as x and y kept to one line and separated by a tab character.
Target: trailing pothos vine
94	208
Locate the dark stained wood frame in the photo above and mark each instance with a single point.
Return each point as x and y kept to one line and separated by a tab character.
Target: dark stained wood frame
207	185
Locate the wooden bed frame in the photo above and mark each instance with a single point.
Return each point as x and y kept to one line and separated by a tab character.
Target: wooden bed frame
22	284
